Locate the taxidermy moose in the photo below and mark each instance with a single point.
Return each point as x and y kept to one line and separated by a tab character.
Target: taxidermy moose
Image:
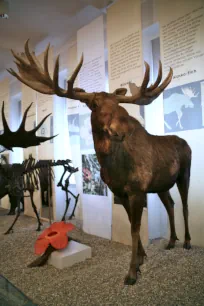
132	161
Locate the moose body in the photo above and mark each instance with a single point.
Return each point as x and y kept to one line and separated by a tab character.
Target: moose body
133	162
132	159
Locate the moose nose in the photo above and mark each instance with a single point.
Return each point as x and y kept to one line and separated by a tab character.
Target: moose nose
112	132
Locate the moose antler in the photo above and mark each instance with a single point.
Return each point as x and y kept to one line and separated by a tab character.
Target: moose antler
21	137
33	75
145	95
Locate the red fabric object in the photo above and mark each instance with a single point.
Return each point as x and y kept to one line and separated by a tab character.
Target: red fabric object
56	235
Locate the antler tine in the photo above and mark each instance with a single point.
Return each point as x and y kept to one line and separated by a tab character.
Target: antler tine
34	76
43	139
46	62
22	125
40	124
5	124
78	94
58	91
158	80
146	78
156	92
75	72
29	55
19	58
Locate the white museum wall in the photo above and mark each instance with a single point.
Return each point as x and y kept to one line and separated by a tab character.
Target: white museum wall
95	196
61	145
72	112
182	27
154	124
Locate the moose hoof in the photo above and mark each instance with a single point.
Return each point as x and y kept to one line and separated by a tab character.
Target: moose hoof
129	281
138	270
171	244
187	245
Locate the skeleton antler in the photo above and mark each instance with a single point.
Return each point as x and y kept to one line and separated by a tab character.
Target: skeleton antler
33	75
21	137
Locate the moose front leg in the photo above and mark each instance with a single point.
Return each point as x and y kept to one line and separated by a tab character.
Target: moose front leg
136	203
140	252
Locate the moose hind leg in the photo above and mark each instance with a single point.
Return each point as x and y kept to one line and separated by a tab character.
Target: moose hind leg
183	186
168	202
136	203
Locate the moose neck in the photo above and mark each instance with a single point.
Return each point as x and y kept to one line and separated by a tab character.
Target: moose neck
134	134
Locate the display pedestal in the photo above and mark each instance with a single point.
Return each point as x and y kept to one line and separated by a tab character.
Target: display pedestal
74	253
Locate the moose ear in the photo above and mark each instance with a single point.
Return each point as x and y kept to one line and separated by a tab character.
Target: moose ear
120	91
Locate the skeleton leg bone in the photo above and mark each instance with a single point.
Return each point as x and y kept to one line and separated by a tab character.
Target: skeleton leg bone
14	198
35	211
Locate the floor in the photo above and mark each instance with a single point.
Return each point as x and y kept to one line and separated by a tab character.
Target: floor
174	277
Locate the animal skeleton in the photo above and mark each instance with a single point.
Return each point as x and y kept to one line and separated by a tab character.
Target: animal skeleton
132	161
17	178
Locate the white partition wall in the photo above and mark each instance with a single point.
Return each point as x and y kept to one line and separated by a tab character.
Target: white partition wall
182	48
45	106
74	132
95	197
125	65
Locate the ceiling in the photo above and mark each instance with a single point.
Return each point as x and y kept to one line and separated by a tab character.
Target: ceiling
56	21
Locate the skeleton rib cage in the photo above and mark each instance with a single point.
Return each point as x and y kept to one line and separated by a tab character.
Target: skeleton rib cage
25	176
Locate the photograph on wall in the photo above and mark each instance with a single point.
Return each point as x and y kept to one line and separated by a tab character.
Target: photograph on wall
183	107
86	138
92	182
73	128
